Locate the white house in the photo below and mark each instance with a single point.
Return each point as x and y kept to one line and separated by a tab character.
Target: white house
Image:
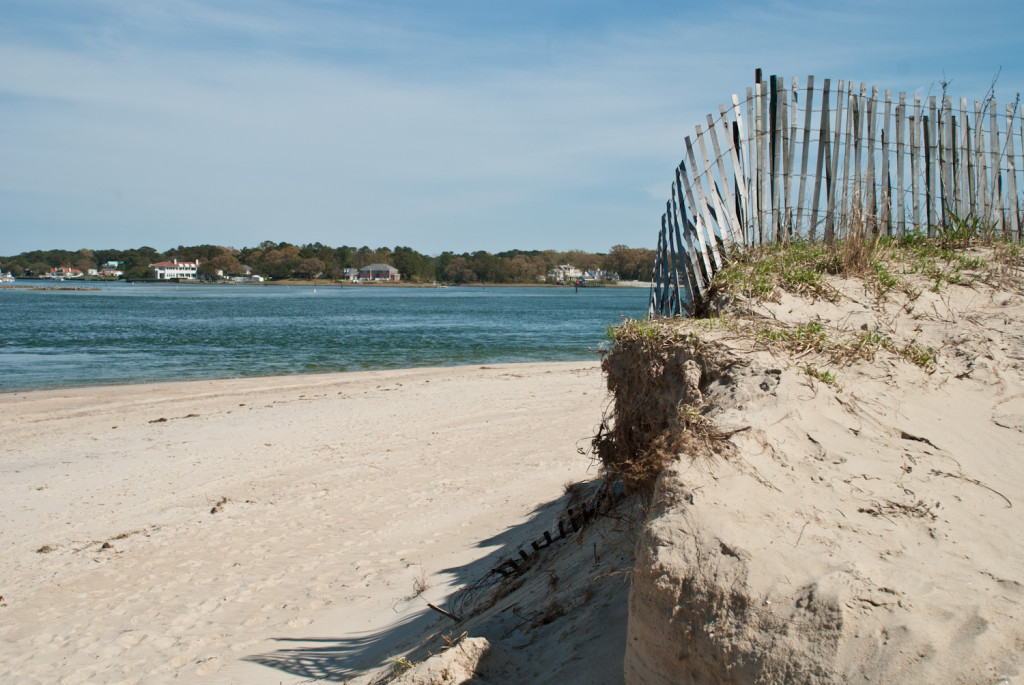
564	273
247	276
175	269
62	272
599	275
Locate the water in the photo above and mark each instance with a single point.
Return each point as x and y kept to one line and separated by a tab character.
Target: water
138	333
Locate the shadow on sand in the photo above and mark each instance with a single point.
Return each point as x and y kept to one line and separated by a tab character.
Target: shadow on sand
343	658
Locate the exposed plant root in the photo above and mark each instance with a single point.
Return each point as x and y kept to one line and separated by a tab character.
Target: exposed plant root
657	374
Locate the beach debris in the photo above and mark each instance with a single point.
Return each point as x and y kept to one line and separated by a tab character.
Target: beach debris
444	613
936	472
46	549
910	436
918	509
163	419
219	506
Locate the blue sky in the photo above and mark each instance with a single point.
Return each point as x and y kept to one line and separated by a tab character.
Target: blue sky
450	125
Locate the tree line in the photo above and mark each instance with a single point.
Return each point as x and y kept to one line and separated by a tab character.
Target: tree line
284	260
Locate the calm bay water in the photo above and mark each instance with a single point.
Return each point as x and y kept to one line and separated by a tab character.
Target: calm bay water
138	333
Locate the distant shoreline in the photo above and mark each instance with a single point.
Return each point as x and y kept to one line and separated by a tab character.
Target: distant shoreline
92	284
9	286
386	284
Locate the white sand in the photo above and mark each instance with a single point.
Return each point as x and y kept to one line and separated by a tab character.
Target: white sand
342	491
866	531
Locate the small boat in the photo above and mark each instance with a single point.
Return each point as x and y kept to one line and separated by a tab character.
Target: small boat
6	278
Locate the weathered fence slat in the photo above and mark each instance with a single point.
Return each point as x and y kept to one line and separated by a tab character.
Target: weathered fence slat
793	109
764	163
775	154
692	262
733	138
832	170
996	201
718	211
805	150
944	137
736	142
928	157
823	136
916	153
697	255
702	210
752	177
1020	229
870	203
886	183
703	243
964	161
852	124
901	109
1011	176
980	164
934	131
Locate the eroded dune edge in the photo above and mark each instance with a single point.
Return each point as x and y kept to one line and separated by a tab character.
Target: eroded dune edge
861	520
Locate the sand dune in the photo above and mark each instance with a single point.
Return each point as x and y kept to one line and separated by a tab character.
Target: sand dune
866	525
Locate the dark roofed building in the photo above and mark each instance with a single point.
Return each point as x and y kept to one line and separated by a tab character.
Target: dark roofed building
379	272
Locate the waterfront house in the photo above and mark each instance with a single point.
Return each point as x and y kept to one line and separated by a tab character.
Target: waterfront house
599	275
350	274
565	273
110	270
62	272
165	271
247	276
379	272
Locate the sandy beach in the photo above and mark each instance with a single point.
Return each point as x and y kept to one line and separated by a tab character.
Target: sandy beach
853	514
267	530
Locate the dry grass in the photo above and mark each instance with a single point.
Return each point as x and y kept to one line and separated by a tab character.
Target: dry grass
420	584
855	252
656	418
657	412
965	252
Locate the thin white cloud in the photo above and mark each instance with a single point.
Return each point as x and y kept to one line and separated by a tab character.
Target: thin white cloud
206	122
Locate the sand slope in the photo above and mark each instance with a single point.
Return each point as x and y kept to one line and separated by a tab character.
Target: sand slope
266	530
865	531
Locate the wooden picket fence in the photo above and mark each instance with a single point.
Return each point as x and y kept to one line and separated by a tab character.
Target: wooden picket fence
802	163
